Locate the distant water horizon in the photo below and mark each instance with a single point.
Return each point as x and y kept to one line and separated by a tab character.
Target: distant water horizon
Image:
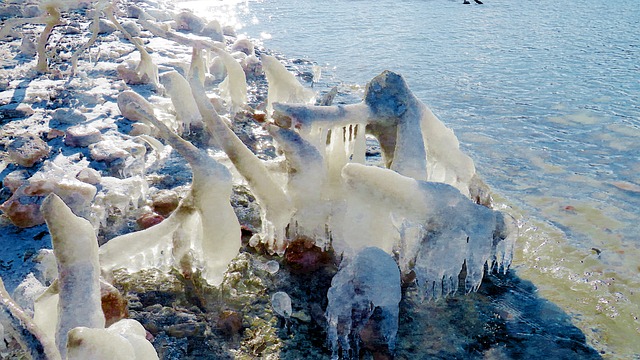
544	95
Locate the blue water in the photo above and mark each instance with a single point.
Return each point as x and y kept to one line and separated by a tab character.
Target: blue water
544	95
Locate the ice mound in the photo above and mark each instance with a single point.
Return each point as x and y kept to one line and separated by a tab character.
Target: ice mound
438	230
368	281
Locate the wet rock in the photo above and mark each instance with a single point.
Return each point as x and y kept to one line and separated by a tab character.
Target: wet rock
27	151
82	136
148	220
68	116
303	256
165	202
89	176
114	305
230	323
15	111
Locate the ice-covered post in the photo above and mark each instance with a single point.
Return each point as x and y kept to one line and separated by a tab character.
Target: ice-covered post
76	250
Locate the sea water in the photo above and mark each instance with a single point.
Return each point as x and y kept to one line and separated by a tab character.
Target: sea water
544	95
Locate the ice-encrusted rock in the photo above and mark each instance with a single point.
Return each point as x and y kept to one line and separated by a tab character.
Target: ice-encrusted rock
27	151
368	281
82	136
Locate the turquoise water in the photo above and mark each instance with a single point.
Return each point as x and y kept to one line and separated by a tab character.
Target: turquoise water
544	95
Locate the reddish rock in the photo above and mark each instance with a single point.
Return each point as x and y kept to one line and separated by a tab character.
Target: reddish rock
23	212
82	136
148	220
165	202
27	151
303	256
114	305
15	179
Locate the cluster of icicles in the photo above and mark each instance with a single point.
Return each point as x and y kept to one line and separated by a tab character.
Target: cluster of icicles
425	212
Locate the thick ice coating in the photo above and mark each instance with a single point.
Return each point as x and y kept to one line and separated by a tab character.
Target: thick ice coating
283	86
76	250
203	233
439	228
122	340
356	291
414	141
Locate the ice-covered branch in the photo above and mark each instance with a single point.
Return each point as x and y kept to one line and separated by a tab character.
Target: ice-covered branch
273	200
204	220
30	336
414	142
76	250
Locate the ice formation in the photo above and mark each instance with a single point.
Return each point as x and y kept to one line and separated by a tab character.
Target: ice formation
281	304
203	229
274	202
414	142
283	86
178	89
122	340
368	281
234	87
439	229
76	249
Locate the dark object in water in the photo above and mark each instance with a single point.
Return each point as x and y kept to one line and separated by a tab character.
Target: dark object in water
478	2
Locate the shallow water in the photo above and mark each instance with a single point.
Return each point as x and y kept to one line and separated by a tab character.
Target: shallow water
544	95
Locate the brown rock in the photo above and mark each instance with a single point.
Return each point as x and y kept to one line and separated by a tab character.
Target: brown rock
23	212
114	305
303	256
54	133
165	202
15	110
27	151
15	179
230	322
82	136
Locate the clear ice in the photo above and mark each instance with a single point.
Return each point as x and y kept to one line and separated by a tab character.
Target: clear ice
368	281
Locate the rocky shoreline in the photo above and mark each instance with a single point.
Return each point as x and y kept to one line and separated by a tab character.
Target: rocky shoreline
65	134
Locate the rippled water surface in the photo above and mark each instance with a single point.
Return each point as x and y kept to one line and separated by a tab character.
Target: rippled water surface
545	96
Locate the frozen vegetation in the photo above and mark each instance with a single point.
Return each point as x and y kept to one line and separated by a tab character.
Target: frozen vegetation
423	215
